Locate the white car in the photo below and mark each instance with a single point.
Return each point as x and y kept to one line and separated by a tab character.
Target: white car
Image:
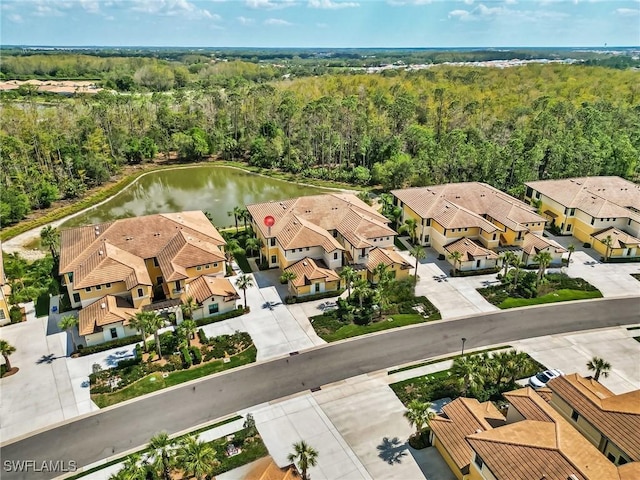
540	380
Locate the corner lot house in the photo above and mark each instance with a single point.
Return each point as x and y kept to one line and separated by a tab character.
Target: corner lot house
592	209
212	295
541	437
132	264
476	220
315	236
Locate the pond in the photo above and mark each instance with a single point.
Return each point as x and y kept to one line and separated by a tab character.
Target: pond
213	189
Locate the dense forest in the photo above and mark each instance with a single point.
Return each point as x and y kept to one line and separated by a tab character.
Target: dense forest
401	128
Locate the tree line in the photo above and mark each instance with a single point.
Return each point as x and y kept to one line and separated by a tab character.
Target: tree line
503	127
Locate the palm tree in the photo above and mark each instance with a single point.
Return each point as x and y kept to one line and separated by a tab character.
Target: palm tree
600	366
570	248
163	454
543	259
467	371
133	468
608	242
231	249
508	259
361	289
252	244
236	213
6	349
418	252
188	306
244	216
50	238
348	275
304	456
418	414
410	227
156	322
141	323
457	260
189	328
68	323
380	273
243	282
288	276
196	458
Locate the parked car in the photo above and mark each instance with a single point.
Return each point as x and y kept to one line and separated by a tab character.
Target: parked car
540	380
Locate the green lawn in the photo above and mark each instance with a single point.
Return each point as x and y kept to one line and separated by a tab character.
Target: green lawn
241	260
155	381
332	330
563	295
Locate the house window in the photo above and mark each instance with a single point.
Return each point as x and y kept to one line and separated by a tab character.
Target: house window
307	249
76	298
478	263
213	308
622	461
529	192
611	457
98	287
71	273
572	212
114	332
426	239
592	220
273	259
159	280
569	228
199	267
494	236
155	262
335	233
272	241
215	265
140	293
428	222
375	239
574	415
108	285
88	289
364	252
478	461
335	255
207	266
317	287
2	315
387	238
538	195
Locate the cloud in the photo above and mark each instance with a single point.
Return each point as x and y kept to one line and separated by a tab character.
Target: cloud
15	18
482	12
331	4
270	4
399	3
277	22
461	14
322	25
171	8
246	21
627	12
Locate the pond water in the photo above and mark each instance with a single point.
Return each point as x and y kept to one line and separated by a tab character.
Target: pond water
213	189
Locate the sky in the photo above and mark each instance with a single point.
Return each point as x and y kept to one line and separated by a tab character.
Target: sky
321	23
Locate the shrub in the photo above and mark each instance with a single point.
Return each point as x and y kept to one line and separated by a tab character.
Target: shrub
129	362
202	336
586	245
138	351
290	299
196	355
186	358
15	314
441	256
120	342
223	316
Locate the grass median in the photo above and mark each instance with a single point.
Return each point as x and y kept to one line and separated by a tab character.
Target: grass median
563	295
156	381
332	330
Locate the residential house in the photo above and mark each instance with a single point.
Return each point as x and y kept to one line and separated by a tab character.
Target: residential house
588	206
538	439
144	260
5	291
535	243
614	243
106	319
331	230
488	218
213	295
396	265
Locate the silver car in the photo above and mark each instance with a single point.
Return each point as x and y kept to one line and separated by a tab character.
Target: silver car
540	380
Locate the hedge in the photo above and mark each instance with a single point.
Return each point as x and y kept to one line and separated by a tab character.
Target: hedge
471	273
196	355
223	316
289	299
202	336
120	342
186	357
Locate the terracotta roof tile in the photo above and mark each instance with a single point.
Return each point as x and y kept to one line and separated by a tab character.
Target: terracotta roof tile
309	269
205	287
534	243
110	264
109	309
387	257
470	250
619	238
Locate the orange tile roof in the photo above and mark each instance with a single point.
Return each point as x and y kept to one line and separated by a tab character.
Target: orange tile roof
205	287
470	250
600	197
176	239
299	233
109	309
534	447
468	205
309	269
387	257
619	239
266	469
616	416
463	417
356	221
534	243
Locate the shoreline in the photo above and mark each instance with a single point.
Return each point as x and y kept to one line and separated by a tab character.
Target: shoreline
17	243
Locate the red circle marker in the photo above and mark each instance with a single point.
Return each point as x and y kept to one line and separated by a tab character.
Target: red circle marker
269	221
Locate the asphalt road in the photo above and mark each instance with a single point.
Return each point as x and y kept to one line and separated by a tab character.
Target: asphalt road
123	427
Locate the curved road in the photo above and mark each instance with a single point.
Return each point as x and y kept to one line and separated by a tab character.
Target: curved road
120	428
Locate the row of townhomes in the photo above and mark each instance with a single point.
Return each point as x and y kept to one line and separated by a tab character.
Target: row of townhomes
592	209
315	237
114	270
573	429
476	220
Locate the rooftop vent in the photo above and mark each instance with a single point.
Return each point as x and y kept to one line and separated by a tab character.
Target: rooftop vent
103	305
100	252
304	263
